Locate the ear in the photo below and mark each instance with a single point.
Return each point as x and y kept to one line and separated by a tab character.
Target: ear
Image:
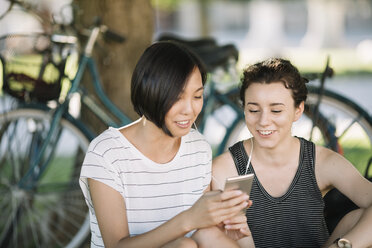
299	110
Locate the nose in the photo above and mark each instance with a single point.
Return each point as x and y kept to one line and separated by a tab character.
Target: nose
187	107
264	118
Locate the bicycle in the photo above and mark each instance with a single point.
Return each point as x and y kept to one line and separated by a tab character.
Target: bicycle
42	148
39	174
329	119
40	177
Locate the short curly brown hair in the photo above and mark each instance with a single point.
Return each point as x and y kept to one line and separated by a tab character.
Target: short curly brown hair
275	70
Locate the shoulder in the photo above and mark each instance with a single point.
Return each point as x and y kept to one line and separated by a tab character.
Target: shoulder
333	170
100	159
330	166
223	163
224	158
105	141
223	167
325	157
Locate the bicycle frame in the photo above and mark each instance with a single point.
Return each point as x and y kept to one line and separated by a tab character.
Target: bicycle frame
86	62
95	108
213	97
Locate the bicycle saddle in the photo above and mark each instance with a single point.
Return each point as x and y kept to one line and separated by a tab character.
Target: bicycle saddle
195	43
212	54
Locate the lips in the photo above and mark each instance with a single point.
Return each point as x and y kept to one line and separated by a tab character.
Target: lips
183	124
265	132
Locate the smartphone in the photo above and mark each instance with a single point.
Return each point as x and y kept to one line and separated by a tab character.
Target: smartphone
243	183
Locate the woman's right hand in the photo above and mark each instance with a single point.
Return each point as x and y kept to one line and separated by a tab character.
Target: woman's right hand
215	206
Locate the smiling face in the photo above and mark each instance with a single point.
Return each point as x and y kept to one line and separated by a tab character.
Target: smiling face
269	113
186	109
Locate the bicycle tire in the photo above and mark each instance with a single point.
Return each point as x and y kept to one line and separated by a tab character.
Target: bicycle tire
341	121
353	126
53	212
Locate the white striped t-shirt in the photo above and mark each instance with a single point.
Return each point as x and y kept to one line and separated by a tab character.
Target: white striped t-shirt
153	193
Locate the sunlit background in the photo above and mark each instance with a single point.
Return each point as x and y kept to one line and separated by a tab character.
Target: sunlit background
304	31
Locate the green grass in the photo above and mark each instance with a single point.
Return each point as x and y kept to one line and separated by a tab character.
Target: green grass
359	158
58	175
358	152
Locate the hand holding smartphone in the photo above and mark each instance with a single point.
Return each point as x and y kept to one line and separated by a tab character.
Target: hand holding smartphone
243	183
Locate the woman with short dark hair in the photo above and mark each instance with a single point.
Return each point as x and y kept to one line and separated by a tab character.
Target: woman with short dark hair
146	183
159	78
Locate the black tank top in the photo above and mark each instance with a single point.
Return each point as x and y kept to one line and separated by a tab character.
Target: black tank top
294	219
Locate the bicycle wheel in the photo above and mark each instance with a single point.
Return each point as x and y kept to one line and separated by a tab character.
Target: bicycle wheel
342	125
47	210
351	123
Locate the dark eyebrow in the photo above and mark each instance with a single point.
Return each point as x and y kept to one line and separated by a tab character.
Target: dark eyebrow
201	88
277	104
197	90
272	104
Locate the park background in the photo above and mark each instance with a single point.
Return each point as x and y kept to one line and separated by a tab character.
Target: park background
304	31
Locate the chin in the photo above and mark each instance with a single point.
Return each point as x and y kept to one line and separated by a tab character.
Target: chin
265	142
180	133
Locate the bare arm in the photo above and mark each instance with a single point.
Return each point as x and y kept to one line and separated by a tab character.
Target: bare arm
211	209
222	168
333	170
237	227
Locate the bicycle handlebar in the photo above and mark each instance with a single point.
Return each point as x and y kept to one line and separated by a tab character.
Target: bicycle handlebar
111	35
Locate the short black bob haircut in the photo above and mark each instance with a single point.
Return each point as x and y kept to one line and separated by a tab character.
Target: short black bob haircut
159	78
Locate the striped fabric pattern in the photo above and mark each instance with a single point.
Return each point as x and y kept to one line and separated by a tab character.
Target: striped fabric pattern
153	193
294	219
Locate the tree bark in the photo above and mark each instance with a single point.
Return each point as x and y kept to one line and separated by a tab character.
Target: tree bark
135	20
326	26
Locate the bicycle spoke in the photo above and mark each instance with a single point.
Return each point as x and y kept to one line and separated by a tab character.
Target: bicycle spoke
76	209
47	234
24	234
30	214
54	211
343	132
10	224
53	223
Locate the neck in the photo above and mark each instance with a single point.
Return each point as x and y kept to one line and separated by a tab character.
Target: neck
278	155
151	141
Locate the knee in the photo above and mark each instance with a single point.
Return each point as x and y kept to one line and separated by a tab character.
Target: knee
185	243
212	237
210	233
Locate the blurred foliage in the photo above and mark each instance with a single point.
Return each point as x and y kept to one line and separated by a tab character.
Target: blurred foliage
166	5
169	5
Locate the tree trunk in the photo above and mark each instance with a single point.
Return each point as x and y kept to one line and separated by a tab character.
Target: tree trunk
131	18
325	27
